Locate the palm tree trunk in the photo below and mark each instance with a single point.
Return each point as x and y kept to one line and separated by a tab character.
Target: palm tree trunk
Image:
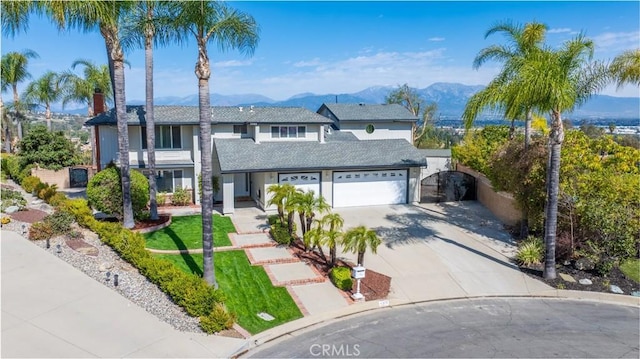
332	254
116	57
527	129
303	222
551	211
47	116
290	222
151	150
16	106
203	72
361	258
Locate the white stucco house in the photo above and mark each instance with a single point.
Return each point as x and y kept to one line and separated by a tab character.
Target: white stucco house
352	154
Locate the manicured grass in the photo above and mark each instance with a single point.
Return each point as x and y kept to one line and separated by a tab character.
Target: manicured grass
185	232
247	288
631	268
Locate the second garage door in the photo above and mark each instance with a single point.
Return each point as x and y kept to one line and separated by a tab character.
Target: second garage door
366	188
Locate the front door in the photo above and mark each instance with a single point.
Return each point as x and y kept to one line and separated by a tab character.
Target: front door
241	185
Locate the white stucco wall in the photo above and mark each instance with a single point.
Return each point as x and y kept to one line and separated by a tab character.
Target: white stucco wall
264	135
434	165
326	186
108	144
382	130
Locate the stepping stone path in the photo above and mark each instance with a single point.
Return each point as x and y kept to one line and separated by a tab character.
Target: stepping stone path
285	270
616	289
83	247
567	278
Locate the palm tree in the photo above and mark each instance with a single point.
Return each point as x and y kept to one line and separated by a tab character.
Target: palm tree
14	71
359	239
556	81
143	29
81	89
211	21
334	235
278	194
44	91
317	204
523	41
105	16
625	68
314	237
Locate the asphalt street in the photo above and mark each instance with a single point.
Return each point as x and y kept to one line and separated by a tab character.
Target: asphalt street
481	328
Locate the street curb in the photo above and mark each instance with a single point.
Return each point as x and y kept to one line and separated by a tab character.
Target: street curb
289	329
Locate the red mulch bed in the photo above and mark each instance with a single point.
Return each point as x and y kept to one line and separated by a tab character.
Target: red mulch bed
374	286
162	218
29	216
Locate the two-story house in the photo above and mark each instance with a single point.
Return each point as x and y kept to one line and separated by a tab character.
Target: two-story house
350	159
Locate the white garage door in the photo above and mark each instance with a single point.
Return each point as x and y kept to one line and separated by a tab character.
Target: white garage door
365	188
304	181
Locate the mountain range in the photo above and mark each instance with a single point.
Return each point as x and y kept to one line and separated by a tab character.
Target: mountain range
451	99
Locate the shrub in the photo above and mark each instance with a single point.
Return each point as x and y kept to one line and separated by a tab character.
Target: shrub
47	192
280	234
40	231
29	183
161	198
273	219
60	221
104	191
341	277
39	187
530	251
12	198
219	319
181	197
11	166
57	199
24	172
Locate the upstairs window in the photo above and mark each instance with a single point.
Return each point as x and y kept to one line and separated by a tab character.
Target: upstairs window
288	131
167	137
240	129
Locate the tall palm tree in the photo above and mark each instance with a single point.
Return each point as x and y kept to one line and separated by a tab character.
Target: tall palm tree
556	81
211	21
279	192
501	94
106	17
523	41
14	70
625	68
359	239
144	29
44	91
334	235
81	89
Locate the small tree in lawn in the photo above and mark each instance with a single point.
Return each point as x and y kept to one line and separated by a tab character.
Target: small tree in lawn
359	239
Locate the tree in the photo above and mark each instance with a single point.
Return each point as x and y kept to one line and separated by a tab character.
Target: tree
410	99
359	239
50	150
210	21
104	192
334	235
144	29
14	71
279	192
81	89
625	68
555	81
106	16
523	42
44	91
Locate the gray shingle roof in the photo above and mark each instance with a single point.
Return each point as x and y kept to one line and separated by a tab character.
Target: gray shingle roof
369	112
242	155
435	152
337	135
188	115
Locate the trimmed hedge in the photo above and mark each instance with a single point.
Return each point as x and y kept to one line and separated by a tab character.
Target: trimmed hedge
341	277
280	234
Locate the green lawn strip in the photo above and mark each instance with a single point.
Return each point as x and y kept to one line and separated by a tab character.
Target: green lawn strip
185	232
631	268
247	288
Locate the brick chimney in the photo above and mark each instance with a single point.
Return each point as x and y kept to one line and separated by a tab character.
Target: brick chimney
98	102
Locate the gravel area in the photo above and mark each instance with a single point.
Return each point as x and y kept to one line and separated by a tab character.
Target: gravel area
131	284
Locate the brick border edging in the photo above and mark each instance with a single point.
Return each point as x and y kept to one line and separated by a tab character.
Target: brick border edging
155	228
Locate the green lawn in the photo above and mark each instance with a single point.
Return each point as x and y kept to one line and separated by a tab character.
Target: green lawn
631	268
185	232
247	288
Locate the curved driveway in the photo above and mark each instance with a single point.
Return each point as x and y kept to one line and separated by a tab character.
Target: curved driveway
506	328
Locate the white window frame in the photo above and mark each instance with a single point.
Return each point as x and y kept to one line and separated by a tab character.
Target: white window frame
143	137
286	129
173	178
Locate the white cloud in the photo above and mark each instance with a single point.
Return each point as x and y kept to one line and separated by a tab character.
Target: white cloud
436	39
314	62
231	63
560	30
617	41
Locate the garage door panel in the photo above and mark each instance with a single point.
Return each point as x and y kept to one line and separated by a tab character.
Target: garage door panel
303	181
369	188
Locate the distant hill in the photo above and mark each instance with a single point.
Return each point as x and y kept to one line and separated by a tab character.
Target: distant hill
451	99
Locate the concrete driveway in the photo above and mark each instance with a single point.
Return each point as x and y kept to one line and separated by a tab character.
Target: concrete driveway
437	251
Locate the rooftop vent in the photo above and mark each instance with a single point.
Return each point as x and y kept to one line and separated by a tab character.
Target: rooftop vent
240	108
361	104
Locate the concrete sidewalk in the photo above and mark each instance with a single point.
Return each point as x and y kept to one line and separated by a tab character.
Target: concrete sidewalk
51	309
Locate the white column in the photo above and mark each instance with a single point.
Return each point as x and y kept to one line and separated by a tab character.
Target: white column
326	186
414	185
321	134
228	205
197	164
257	134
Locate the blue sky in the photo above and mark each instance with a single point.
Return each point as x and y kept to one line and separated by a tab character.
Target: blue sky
343	47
